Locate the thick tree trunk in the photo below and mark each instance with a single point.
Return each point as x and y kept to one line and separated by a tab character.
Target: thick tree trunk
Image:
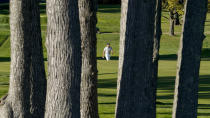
89	101
64	59
157	36
136	88
38	77
186	88
26	97
171	28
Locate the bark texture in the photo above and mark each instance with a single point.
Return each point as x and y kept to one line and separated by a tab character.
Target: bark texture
26	97
186	88
64	59
157	36
38	77
136	98
88	100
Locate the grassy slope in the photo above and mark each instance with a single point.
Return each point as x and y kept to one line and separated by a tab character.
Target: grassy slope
108	22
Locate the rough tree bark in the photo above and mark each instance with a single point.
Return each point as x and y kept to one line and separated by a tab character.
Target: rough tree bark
186	88
135	97
38	77
88	99
172	22
26	96
157	36
64	59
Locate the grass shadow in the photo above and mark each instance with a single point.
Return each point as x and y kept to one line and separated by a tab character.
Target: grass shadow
108	113
107	73
42	8
166	83
8	59
107	103
112	58
109	10
106	32
203	114
168	57
106	95
4	7
205	54
107	83
5	59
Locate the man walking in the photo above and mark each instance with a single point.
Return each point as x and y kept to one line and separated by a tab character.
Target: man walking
107	52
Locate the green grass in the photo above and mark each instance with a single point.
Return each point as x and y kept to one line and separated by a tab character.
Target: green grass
108	22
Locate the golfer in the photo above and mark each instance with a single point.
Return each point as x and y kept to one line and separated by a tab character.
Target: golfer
107	52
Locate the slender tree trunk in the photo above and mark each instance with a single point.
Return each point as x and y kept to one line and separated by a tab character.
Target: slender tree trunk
186	88
177	21
64	59
171	18
136	88
157	36
27	74
88	100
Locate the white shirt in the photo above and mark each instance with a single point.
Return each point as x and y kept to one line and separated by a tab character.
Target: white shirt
107	50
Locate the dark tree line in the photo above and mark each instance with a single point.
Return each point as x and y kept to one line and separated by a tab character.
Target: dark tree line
70	90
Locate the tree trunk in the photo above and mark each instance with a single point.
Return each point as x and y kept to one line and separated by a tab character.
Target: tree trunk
26	97
64	59
176	18
89	101
38	77
136	88
157	36
171	18
186	88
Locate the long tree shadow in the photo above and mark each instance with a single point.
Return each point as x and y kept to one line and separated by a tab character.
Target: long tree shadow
8	59
205	54
107	73
112	58
203	114
166	83
4	59
107	103
107	83
4	7
204	106
42	8
108	113
168	57
109	8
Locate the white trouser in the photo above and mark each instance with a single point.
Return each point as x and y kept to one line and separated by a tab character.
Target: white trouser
107	57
